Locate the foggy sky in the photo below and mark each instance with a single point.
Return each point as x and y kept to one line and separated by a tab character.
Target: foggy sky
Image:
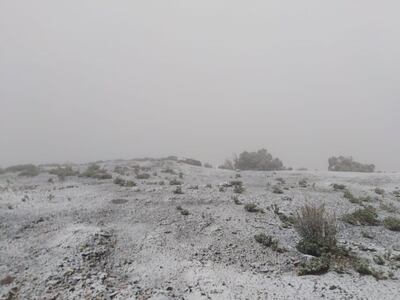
88	80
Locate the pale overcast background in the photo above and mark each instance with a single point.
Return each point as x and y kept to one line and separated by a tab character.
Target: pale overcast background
88	80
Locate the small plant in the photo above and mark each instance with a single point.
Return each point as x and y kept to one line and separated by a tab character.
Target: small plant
317	230
367	235
253	208
222	189
338	187
379	260
379	191
236	200
269	241
237	175
317	266
119	181
348	195
392	223
184	212
209	186
169	171
130	183
277	190
175	181
143	176
178	190
180	175
207	165
280	180
286	221
363	216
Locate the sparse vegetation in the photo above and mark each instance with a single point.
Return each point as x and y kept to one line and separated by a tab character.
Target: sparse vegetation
191	161
253	208
94	171
389	207
238	189
175	181
338	187
63	172
303	183
125	183
207	165
363	216
268	241
236	200
379	191
347	164
178	190
287	221
27	170
392	223
184	212
144	176
277	190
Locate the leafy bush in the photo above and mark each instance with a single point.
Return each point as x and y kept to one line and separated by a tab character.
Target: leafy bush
258	161
317	230
392	223
94	171
363	216
347	164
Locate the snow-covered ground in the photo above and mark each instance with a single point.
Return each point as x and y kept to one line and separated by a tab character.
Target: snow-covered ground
71	239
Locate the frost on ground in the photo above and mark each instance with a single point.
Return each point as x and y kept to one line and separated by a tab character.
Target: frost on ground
88	238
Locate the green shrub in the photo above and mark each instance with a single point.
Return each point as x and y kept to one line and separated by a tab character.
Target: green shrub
94	171
268	241
363	216
317	266
317	230
392	223
348	195
379	191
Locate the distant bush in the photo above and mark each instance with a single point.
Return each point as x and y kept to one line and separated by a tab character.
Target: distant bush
191	161
27	170
317	230
207	165
178	190
379	191
94	171
347	164
63	172
125	183
227	165
258	161
338	187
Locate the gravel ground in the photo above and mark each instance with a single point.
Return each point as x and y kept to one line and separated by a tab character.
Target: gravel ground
83	238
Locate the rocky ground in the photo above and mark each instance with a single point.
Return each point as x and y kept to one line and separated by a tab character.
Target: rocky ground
88	238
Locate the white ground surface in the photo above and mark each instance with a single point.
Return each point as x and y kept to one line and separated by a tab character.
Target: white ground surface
68	240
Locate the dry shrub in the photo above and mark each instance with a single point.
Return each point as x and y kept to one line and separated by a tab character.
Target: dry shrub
317	230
